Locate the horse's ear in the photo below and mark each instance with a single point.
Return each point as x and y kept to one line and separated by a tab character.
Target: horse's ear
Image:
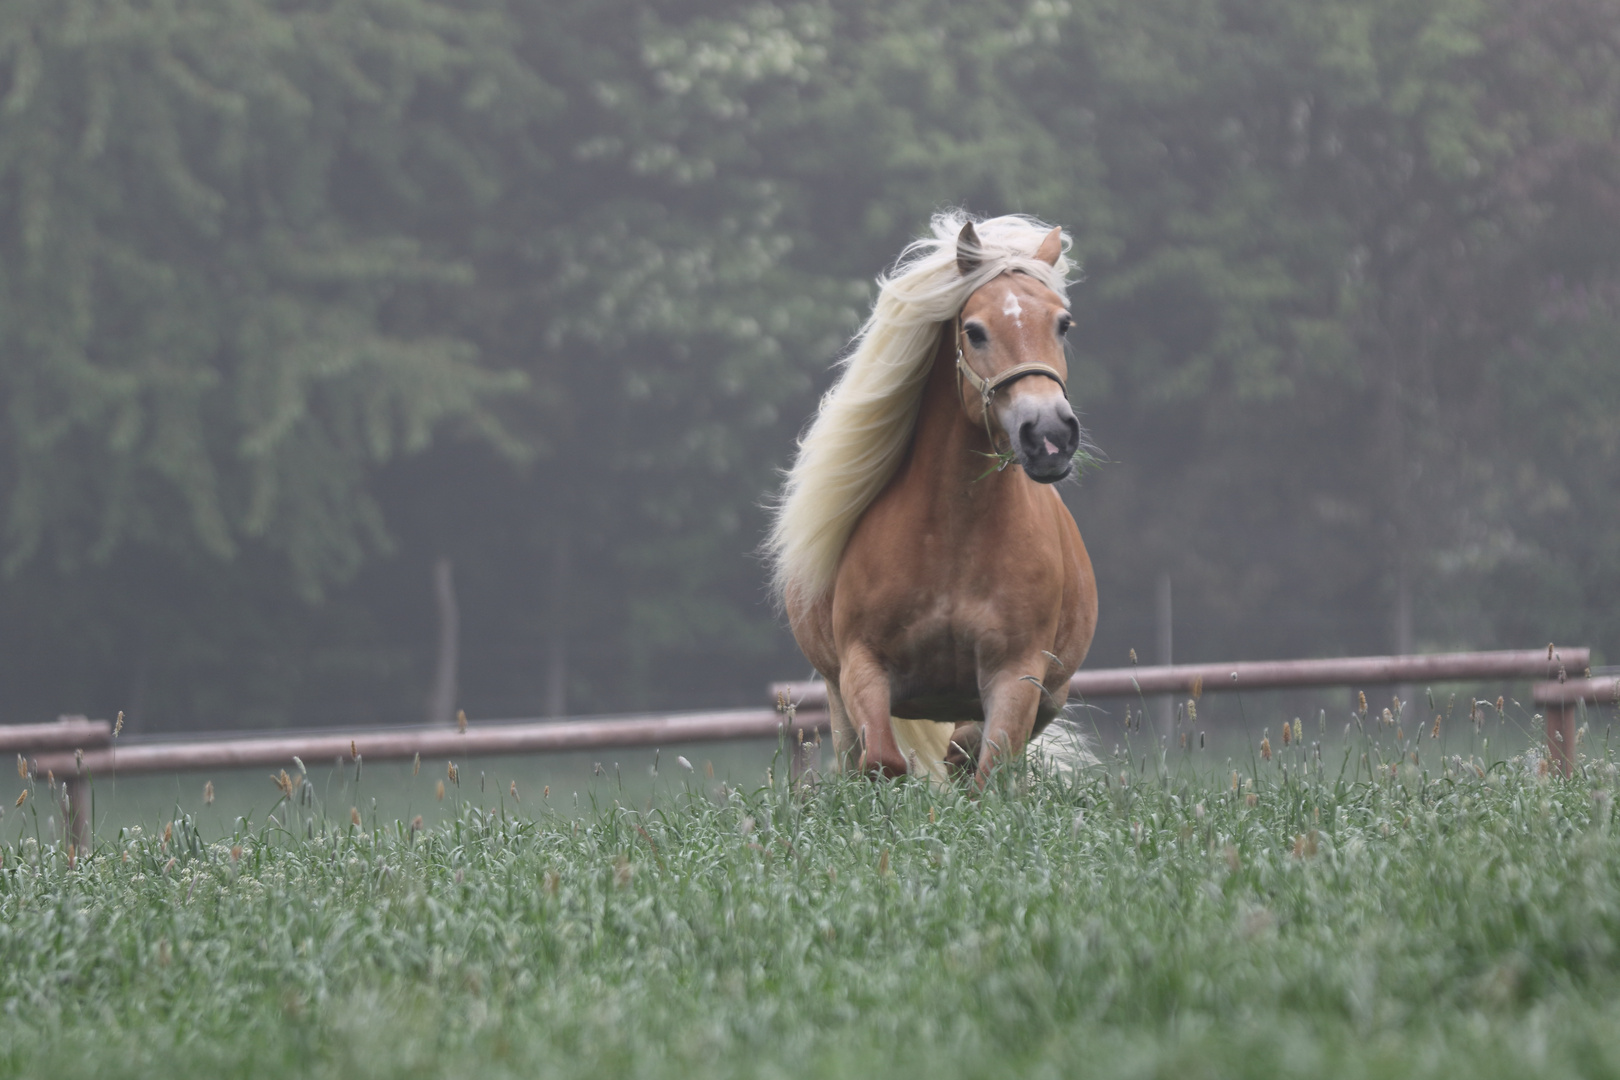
1049	250
968	254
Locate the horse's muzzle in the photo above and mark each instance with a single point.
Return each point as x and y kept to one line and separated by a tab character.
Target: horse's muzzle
1047	436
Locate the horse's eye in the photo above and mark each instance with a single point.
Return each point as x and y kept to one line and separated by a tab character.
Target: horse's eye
976	335
1064	322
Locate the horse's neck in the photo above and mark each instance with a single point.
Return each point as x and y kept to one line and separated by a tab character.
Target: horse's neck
949	455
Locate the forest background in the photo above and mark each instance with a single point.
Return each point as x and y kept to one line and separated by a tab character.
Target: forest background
299	298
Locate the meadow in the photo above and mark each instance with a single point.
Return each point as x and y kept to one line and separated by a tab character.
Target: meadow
1309	911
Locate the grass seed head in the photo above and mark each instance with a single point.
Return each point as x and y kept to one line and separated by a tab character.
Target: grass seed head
21	797
208	793
1361	700
416	764
1133	657
512	791
22	768
416	823
118	725
168	833
1288	734
1265	748
1192	712
236	853
1197	687
461	721
283	783
354	816
453	773
438	792
1299	731
1434	732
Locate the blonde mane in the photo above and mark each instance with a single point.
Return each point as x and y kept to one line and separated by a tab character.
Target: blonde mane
864	423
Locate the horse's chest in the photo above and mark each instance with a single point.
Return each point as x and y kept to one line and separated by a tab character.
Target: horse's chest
943	647
940	601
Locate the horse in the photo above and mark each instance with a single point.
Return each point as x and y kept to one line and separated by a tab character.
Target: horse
934	586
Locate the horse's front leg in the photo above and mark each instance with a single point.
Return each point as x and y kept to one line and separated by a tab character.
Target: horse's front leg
1012	697
863	683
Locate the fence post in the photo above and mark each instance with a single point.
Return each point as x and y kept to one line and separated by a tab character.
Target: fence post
1561	735
802	764
75	814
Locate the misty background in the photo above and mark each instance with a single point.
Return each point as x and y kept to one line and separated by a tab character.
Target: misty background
342	337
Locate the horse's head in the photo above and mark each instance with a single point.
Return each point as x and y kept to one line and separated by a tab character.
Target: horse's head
1012	366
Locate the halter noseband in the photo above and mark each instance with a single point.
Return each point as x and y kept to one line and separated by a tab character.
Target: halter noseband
987	387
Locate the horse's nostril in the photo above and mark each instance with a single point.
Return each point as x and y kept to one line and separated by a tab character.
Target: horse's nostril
1048	437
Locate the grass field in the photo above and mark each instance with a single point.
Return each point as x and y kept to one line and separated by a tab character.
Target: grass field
1143	919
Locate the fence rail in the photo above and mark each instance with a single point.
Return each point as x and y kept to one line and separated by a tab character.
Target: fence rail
75	748
1294	674
383	744
68	733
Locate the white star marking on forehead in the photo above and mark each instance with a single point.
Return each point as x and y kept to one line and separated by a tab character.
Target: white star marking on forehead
1013	308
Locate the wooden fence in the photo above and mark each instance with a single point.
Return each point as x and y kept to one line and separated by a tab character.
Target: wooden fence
75	749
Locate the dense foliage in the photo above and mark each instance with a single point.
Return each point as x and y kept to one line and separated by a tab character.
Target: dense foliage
1304	920
298	297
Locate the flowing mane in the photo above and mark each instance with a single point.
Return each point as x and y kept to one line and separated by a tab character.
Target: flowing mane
864	424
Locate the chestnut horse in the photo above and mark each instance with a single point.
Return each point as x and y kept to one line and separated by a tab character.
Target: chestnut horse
923	577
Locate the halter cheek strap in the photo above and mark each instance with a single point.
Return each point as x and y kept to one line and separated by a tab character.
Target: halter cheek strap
987	388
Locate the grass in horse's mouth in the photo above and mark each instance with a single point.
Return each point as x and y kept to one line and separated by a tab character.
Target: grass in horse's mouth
1086	457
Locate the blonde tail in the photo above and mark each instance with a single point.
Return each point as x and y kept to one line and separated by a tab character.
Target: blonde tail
1062	750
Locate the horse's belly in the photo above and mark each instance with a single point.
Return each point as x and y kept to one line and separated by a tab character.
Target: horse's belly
934	675
954	708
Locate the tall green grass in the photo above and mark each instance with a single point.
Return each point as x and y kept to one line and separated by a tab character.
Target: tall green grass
1347	917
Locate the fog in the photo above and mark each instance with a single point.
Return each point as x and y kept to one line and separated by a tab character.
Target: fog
295	311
